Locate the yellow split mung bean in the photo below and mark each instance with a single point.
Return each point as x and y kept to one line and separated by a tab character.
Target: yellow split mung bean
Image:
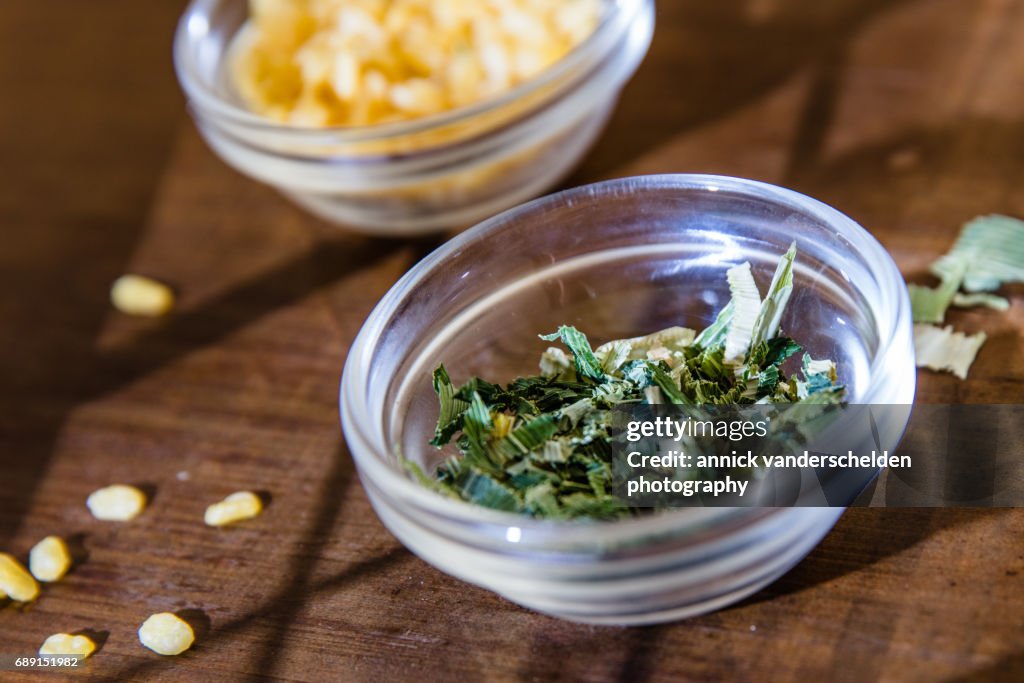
67	644
15	581
140	295
166	634
117	503
235	508
49	559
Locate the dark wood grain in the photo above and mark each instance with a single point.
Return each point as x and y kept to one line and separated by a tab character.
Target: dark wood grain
907	115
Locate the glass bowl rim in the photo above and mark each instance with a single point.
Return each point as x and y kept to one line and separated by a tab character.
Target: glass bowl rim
617	19
355	415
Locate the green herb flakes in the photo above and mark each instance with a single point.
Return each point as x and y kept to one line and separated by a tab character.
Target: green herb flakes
541	445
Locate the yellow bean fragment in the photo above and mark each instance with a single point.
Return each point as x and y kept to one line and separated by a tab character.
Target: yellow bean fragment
234	508
117	503
15	581
49	559
140	295
67	644
166	634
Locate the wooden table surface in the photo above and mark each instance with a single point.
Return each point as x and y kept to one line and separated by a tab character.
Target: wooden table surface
906	114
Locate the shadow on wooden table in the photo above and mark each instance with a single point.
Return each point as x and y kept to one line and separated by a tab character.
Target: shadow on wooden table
296	590
864	537
1006	670
96	375
710	59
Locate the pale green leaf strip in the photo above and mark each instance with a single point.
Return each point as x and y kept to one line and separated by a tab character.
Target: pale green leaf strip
940	348
613	354
747	306
479	413
993	301
714	334
770	316
928	305
669	345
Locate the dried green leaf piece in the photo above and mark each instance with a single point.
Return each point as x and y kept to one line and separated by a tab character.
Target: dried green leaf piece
929	304
988	252
746	302
529	436
488	492
992	249
452	407
770	316
993	301
669	345
669	386
715	333
940	348
587	364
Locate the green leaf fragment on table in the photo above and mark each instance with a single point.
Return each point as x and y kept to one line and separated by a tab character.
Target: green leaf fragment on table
988	252
940	348
992	249
541	445
986	299
929	304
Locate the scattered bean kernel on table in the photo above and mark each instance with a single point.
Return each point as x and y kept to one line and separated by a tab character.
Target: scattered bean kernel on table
140	295
49	559
67	644
116	503
234	508
15	581
360	62
166	634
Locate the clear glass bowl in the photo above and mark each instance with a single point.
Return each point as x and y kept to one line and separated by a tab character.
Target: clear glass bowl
435	173
616	259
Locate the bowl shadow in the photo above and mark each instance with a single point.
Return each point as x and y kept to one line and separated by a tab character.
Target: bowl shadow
864	537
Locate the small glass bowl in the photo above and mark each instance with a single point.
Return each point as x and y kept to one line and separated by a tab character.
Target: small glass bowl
616	259
434	173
